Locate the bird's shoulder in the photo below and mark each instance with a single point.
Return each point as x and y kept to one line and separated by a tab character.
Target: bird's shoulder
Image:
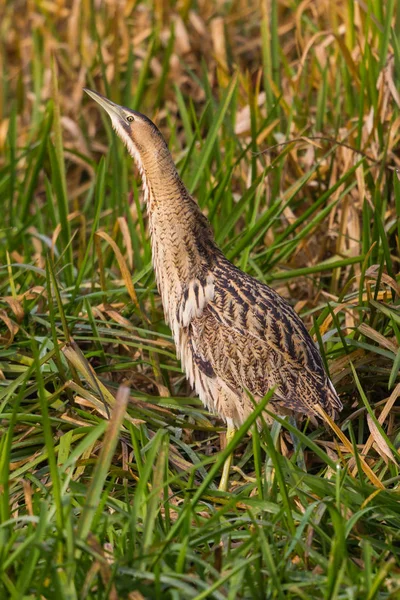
244	306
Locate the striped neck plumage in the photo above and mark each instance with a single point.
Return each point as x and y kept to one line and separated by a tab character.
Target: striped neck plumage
182	241
157	169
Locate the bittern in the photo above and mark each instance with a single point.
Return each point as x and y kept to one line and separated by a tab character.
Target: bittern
233	334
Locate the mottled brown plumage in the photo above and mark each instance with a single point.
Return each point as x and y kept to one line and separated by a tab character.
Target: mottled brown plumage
232	332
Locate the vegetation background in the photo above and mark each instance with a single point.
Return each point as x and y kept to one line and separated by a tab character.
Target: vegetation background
283	117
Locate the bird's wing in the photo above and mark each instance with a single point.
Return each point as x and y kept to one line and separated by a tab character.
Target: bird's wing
251	338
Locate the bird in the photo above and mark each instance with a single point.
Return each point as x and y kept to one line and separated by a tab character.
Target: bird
233	334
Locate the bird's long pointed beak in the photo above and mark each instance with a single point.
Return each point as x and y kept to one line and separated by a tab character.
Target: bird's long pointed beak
114	110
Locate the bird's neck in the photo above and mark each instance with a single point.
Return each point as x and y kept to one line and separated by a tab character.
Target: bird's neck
182	240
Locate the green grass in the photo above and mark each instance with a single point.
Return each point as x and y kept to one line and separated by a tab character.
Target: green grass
109	465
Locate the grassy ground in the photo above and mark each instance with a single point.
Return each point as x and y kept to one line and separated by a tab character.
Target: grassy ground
283	117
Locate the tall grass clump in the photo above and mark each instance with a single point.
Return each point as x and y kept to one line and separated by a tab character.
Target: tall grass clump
283	118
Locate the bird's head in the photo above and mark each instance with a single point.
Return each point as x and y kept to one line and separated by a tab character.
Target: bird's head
141	137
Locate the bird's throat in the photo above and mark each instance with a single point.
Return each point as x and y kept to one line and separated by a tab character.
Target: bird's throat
183	247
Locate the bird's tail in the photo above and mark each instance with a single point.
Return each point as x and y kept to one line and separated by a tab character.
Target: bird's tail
333	404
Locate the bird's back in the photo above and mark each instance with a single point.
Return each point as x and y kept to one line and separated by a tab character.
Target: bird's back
249	338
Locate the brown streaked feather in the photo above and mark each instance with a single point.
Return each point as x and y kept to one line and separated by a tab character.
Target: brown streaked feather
260	344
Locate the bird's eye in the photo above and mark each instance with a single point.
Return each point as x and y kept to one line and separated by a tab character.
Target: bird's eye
130	118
